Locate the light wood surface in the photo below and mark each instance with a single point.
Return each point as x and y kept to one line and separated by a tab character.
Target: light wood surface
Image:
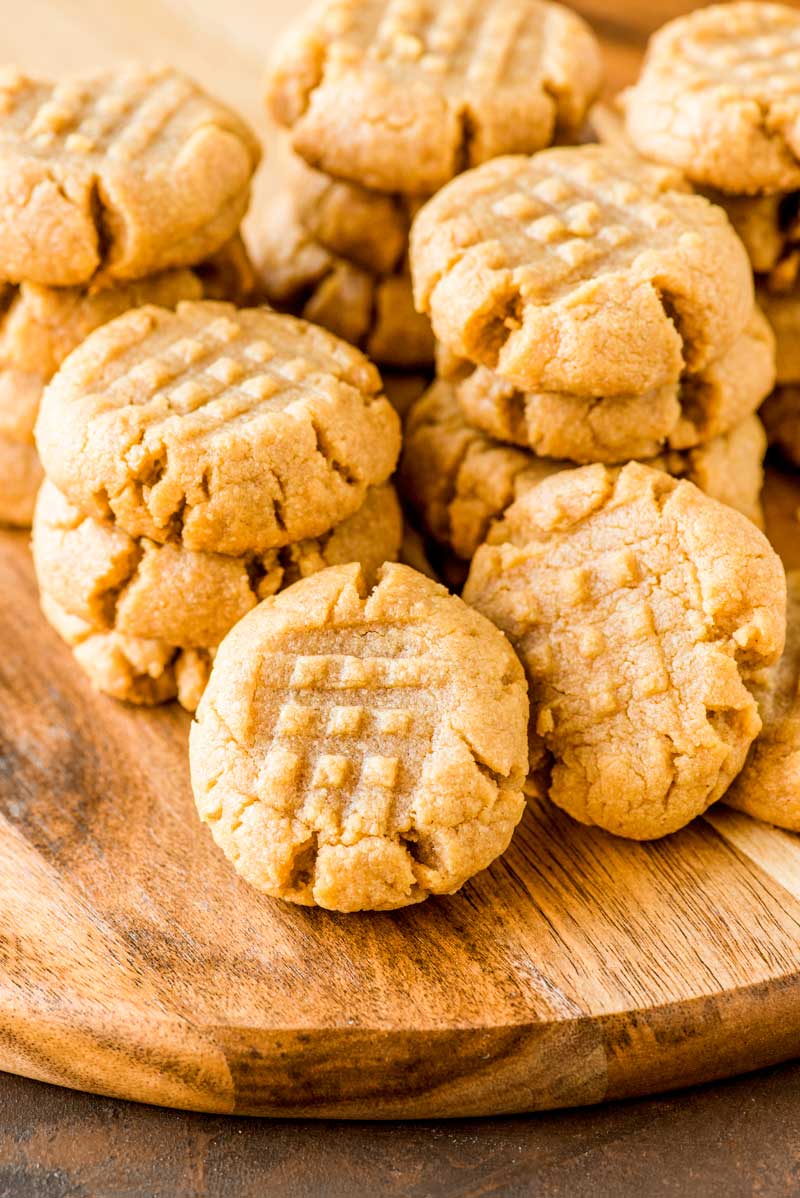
134	963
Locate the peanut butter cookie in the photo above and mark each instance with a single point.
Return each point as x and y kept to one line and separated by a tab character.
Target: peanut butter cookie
374	312
130	171
719	97
226	430
581	269
401	97
769	785
642	611
139	591
39	326
680	415
368	228
361	748
460	481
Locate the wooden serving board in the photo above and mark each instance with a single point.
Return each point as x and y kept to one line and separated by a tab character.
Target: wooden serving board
580	967
134	963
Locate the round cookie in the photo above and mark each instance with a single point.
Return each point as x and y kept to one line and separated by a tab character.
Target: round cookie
137	590
374	312
781	416
38	328
402	98
642	610
129	171
227	430
769	785
361	748
617	428
459	480
719	97
582	269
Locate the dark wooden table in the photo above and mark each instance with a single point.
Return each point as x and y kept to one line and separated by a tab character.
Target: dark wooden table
738	1138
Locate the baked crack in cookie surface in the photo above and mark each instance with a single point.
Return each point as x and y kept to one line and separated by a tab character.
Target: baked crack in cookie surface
401	96
106	591
581	269
128	171
227	430
677	416
361	748
642	610
719	97
769	785
459	480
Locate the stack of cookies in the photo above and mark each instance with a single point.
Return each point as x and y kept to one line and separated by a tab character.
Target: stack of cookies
116	189
589	308
197	461
719	98
384	103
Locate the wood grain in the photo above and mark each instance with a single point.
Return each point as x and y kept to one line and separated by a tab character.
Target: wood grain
134	963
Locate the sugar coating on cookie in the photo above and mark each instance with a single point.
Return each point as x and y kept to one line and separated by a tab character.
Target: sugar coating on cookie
459	480
769	785
719	97
227	430
120	590
582	269
781	416
641	610
401	96
676	416
361	748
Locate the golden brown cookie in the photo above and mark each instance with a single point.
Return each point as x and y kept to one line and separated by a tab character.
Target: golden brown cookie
719	97
374	312
128	590
401	97
642	610
769	785
39	326
226	430
459	480
581	269
361	747
781	416
368	228
680	415
129	171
